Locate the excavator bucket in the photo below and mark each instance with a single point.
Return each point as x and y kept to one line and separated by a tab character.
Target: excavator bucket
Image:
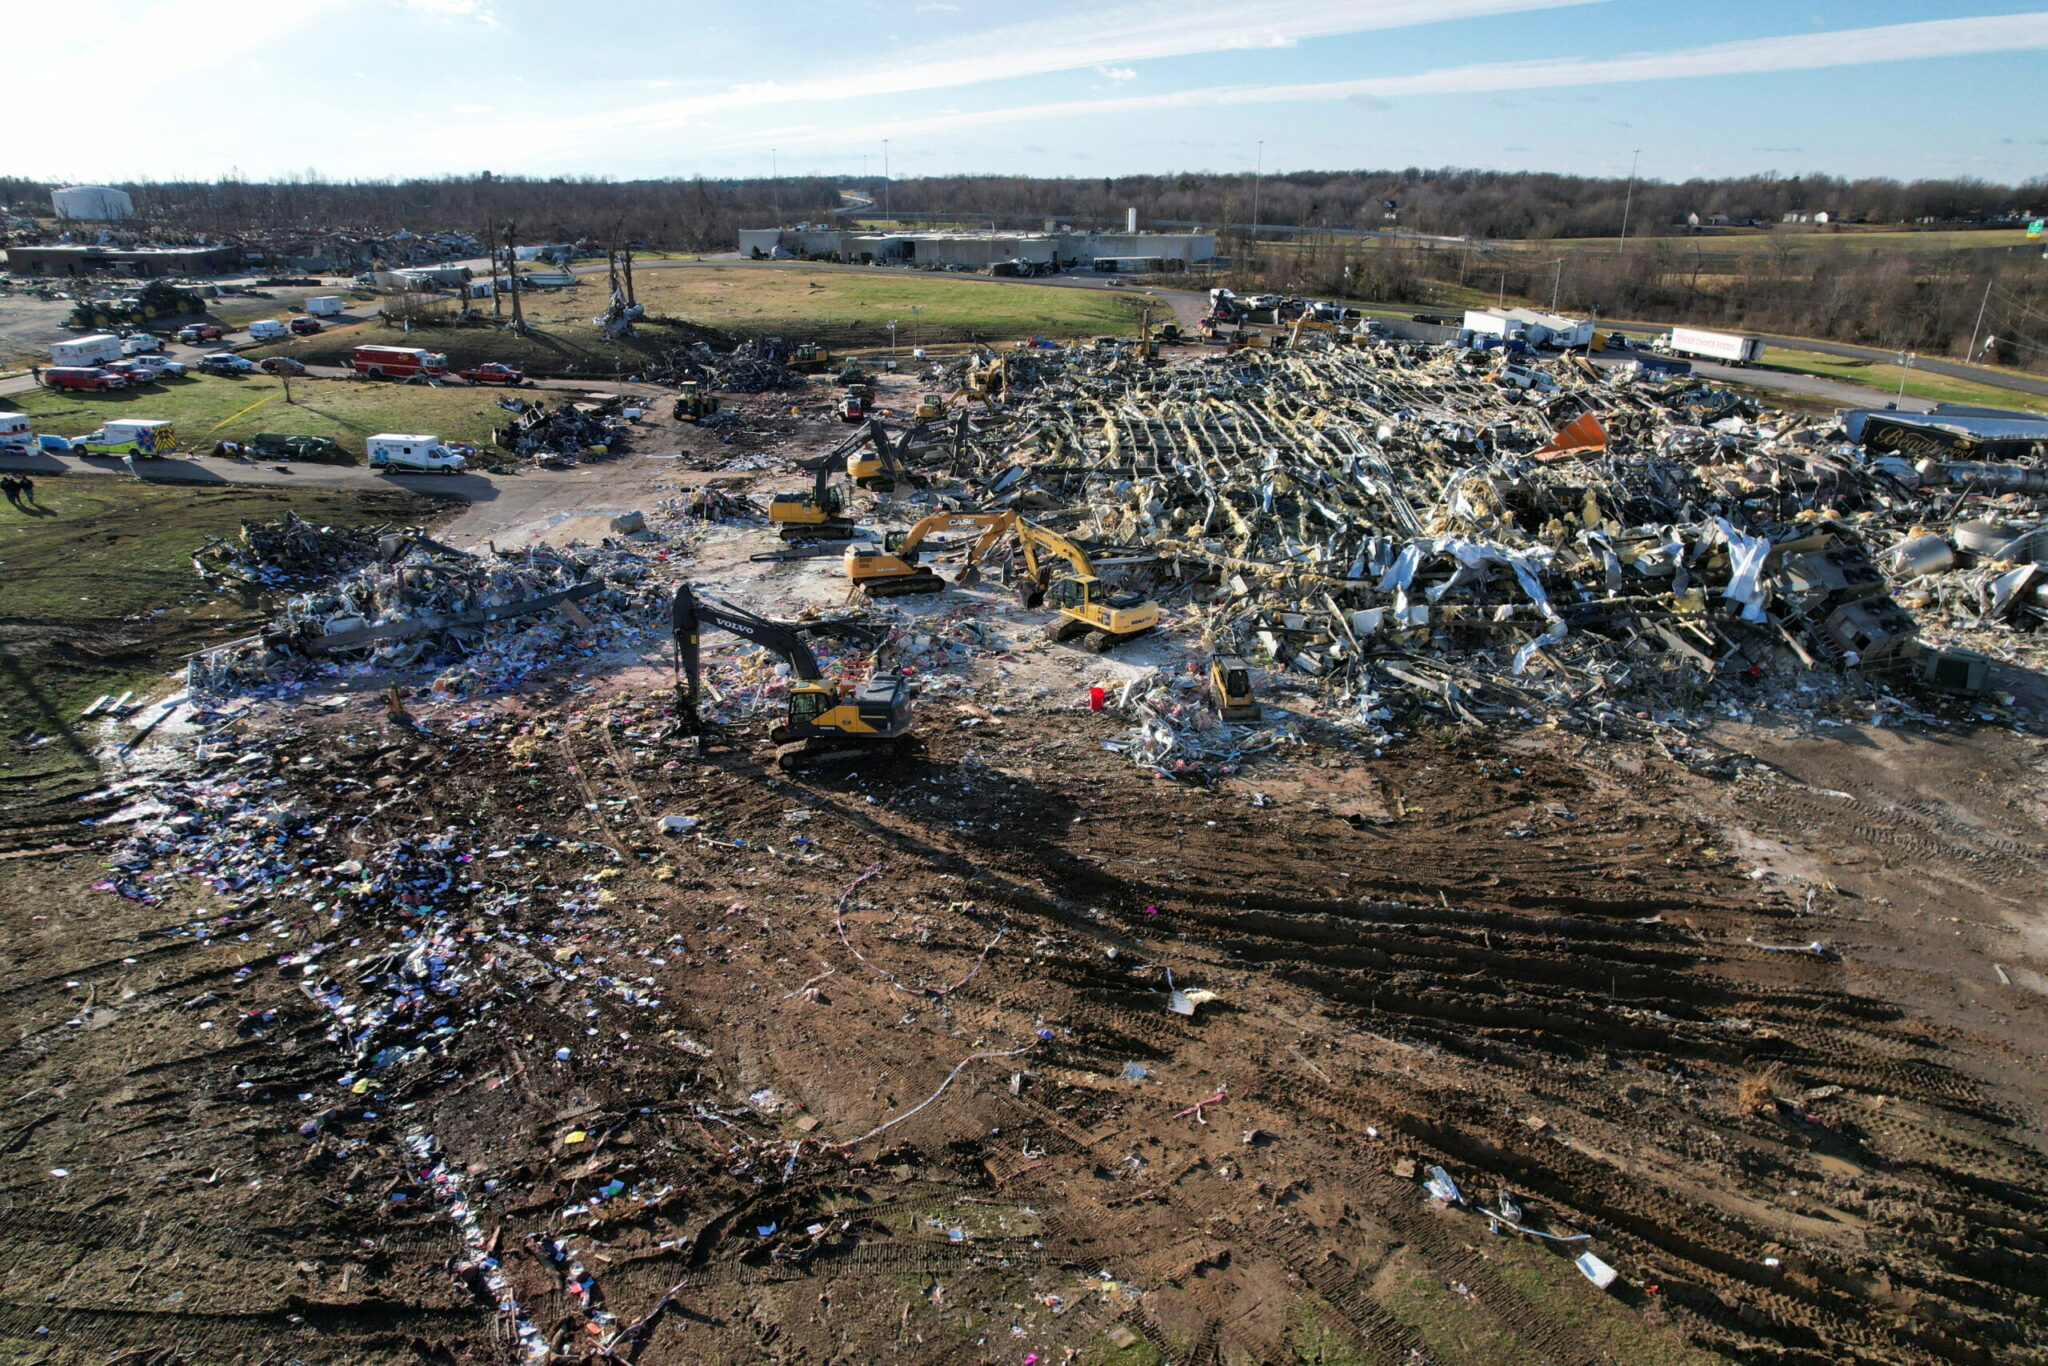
1583	435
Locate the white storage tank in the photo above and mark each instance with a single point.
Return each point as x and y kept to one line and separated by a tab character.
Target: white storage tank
93	203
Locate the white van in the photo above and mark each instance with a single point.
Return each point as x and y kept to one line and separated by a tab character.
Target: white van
394	452
268	329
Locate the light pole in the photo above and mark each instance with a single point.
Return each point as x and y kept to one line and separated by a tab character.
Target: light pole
1557	284
1906	359
1628	199
916	334
892	343
1258	170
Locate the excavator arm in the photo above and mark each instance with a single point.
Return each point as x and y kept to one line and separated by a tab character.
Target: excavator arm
690	615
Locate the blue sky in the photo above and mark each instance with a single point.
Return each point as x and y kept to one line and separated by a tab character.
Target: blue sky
369	88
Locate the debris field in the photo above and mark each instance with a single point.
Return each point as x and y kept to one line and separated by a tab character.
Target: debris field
1609	946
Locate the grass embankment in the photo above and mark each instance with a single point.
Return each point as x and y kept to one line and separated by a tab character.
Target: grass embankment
1883	380
775	300
101	596
208	408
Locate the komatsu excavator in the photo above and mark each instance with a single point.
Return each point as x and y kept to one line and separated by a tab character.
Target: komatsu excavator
894	570
826	722
1103	619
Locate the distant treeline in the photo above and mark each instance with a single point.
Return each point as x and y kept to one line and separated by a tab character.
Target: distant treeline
1518	204
686	215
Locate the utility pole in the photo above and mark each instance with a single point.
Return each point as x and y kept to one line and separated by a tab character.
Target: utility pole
1557	284
1627	200
1982	304
511	258
497	299
1258	171
1500	300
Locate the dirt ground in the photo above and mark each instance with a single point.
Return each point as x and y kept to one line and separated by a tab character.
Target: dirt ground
420	1041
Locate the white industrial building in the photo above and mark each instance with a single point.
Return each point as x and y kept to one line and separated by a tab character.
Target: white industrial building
969	250
92	203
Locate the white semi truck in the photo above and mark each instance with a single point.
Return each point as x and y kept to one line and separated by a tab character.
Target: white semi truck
1704	345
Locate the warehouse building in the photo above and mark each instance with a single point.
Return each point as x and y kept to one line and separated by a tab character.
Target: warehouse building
965	250
142	263
92	203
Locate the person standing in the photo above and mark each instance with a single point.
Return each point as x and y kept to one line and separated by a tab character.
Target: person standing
11	486
27	487
35	372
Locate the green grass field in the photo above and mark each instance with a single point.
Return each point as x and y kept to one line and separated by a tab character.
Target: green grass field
207	409
102	597
1883	380
849	307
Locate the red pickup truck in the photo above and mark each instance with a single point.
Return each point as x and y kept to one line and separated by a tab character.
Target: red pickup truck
83	377
491	372
194	333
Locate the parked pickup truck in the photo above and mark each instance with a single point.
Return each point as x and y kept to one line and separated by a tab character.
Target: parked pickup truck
82	377
160	365
304	327
491	372
133	373
194	333
226	363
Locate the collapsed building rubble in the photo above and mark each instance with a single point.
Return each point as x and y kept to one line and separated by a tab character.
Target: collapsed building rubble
590	426
1395	520
488	623
758	365
288	551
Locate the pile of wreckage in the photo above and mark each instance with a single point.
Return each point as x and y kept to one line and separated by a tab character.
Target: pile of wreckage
758	365
594	425
1396	522
488	621
290	551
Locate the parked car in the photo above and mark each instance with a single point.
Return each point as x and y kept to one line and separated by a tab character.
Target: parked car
88	377
162	365
226	363
194	333
492	372
304	327
281	365
133	373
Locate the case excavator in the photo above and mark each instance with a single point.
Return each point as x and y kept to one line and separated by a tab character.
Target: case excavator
826	722
894	570
1102	619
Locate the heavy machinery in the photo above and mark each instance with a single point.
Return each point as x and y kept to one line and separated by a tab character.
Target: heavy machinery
880	465
819	514
930	408
894	570
826	722
1308	324
693	402
1103	619
809	358
855	402
1230	689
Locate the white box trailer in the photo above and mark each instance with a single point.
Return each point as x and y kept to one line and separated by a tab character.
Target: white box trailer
1487	323
1721	346
421	454
325	305
95	350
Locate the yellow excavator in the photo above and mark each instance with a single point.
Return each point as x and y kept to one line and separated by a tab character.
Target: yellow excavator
880	466
1230	689
1101	618
826	722
819	513
930	408
894	570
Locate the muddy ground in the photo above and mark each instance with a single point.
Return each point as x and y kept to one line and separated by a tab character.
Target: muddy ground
882	1067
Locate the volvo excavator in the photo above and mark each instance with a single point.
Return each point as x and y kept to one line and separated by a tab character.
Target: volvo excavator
826	722
894	570
1101	618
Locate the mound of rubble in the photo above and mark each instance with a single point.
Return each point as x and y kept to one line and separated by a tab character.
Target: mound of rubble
288	551
488	623
1398	523
595	425
758	365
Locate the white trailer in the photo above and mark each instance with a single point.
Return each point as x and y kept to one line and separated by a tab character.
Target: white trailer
1721	346
325	305
1487	323
421	454
95	350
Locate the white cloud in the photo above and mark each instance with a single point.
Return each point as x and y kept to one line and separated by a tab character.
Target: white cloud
1119	74
1758	56
1139	30
448	11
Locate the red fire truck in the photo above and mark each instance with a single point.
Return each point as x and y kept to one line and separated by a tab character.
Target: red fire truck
397	362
